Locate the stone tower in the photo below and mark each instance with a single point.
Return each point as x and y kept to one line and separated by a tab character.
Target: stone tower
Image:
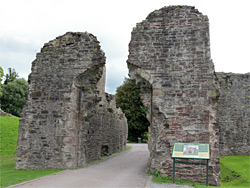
169	56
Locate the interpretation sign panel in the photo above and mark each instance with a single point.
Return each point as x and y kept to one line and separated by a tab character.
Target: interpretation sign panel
191	150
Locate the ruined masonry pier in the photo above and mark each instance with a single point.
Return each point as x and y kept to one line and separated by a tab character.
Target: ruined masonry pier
169	56
69	120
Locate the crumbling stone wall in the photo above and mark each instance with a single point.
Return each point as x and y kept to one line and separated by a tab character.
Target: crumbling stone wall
68	119
169	55
234	113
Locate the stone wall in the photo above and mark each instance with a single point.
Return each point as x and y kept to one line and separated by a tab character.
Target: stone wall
3	113
68	119
234	113
169	56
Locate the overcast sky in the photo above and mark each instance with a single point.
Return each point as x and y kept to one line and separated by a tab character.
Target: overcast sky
27	24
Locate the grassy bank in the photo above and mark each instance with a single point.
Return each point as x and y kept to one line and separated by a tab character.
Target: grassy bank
235	173
8	142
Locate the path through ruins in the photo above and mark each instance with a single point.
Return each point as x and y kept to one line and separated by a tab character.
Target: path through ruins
124	170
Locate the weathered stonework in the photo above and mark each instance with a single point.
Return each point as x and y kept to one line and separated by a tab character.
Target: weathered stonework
68	119
234	113
169	55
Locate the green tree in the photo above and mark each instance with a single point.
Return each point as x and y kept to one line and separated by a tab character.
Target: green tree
1	74
128	99
1	79
11	76
14	96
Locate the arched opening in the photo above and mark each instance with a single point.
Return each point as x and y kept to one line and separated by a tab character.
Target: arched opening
128	98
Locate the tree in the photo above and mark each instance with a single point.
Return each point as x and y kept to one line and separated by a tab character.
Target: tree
1	74
14	96
11	76
1	79
128	99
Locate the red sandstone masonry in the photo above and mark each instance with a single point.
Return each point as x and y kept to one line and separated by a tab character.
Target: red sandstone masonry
178	87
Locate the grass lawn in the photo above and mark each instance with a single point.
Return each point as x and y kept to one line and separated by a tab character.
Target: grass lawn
235	173
8	142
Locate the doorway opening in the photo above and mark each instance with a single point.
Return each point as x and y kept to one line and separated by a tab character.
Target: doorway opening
136	109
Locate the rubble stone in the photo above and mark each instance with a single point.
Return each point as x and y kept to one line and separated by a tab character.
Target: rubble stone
68	119
234	113
169	56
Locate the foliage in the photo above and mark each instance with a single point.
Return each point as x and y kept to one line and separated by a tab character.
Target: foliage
234	174
11	76
14	96
1	74
1	79
128	99
8	136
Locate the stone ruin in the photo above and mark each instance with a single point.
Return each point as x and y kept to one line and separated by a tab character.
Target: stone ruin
169	56
68	119
234	113
186	101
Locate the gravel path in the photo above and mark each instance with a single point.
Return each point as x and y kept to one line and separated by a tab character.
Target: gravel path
168	185
124	170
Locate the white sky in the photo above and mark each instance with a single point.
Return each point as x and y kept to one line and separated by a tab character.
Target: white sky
27	24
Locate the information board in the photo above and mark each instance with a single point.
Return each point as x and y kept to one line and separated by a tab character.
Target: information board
191	150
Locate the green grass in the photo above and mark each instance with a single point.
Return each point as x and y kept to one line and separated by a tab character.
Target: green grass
157	178
235	173
8	134
8	142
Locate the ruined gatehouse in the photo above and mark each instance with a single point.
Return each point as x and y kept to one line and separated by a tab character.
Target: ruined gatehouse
68	119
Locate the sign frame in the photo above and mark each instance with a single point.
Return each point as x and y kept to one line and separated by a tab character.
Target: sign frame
189	151
191	156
